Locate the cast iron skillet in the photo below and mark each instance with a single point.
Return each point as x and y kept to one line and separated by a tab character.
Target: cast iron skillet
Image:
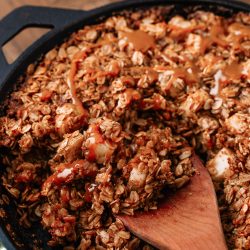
63	22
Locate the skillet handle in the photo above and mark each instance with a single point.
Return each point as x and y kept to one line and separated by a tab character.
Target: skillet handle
31	16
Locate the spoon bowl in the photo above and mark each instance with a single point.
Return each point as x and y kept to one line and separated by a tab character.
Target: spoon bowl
187	219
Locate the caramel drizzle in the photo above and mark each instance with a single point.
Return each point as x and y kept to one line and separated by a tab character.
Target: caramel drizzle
215	36
94	130
151	73
179	33
233	71
70	81
140	40
189	74
189	77
238	32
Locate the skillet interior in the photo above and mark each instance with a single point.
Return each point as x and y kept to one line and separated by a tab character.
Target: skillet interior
35	236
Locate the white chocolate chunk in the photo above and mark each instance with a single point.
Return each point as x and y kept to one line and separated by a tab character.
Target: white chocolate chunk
238	123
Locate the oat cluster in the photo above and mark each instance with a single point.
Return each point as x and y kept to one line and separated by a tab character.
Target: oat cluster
108	119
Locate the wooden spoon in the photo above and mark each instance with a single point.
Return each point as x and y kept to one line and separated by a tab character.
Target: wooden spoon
188	219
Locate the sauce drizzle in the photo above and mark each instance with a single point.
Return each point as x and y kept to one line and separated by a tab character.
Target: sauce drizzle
140	40
233	71
189	75
238	32
214	37
96	139
70	81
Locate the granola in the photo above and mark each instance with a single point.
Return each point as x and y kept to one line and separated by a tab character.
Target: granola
109	118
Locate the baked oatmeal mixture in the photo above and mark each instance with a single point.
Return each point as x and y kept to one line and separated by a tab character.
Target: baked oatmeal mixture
107	120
